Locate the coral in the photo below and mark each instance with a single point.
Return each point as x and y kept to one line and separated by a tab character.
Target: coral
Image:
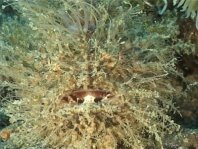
164	8
191	8
87	76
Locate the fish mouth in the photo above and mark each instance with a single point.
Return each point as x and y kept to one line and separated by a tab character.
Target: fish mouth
86	96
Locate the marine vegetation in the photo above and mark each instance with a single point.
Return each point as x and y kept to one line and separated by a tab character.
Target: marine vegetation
88	74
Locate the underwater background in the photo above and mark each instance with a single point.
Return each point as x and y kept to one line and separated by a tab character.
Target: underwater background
98	74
